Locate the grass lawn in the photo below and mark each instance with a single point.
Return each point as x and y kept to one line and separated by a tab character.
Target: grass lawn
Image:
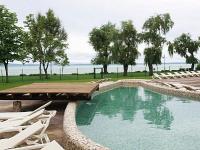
18	80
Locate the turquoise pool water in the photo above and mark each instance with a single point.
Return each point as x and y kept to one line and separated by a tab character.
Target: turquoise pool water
139	119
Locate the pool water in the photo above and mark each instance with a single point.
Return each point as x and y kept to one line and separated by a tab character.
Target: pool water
140	119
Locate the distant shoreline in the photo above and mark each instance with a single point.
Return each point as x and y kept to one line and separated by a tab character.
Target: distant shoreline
17	69
32	64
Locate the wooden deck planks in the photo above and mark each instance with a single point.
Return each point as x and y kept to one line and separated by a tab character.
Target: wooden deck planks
47	91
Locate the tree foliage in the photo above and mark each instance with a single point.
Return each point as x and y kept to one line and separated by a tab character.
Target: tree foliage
102	41
154	30
11	38
125	49
185	47
47	38
62	60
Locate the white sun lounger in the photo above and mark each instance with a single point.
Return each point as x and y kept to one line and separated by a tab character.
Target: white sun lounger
49	146
195	73
9	115
13	122
165	76
179	75
42	137
20	123
190	74
21	137
198	72
186	74
156	76
171	75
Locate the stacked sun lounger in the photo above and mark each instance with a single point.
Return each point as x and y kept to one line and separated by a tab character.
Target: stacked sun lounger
30	128
174	75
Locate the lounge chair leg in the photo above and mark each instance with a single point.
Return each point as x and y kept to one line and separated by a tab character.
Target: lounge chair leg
17	106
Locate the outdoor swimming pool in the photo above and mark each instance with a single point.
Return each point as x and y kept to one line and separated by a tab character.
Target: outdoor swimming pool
139	119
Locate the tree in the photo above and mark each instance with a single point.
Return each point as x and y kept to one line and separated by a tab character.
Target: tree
47	38
63	61
185	47
125	49
102	39
10	38
154	30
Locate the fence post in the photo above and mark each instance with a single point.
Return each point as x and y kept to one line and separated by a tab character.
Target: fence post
131	73
1	75
51	69
101	73
60	73
117	72
22	74
77	73
94	73
40	71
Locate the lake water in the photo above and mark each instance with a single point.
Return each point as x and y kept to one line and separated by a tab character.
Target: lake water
16	69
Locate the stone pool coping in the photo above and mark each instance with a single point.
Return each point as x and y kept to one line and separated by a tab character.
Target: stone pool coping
74	139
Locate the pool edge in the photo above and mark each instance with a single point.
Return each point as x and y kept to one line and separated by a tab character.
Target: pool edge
76	140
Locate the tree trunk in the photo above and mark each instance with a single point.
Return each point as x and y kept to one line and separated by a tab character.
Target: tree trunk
192	67
150	69
6	69
40	68
125	69
45	68
105	66
46	73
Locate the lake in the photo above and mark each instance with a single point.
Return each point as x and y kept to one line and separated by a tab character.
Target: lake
17	69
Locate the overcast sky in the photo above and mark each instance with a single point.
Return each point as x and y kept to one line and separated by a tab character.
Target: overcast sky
79	17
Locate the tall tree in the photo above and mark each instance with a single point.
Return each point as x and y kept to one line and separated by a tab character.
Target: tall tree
185	47
34	39
102	39
10	38
125	49
154	30
63	61
47	38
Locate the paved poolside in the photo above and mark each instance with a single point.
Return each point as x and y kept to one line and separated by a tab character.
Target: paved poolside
192	81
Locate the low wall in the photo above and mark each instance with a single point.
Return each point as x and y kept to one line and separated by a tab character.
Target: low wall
75	140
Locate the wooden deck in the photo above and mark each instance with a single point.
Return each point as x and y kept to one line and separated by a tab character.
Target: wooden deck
50	91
